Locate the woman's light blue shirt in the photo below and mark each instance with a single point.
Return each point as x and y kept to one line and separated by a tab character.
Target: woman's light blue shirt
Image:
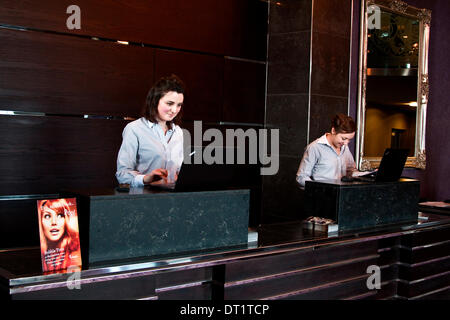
321	162
145	148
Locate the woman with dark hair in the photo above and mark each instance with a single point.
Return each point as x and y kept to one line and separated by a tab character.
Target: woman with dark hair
153	144
328	157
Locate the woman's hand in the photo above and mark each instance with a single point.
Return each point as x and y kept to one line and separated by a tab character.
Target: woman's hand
155	175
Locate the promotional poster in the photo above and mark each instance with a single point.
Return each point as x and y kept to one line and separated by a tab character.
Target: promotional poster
59	234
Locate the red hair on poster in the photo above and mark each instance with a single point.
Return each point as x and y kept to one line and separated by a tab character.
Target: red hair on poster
59	235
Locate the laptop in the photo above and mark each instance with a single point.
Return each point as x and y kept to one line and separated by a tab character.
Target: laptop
391	167
209	177
204	177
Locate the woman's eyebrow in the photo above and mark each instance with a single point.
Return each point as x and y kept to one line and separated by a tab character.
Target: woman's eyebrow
173	102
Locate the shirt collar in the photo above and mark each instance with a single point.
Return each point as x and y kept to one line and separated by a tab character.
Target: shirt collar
152	124
323	140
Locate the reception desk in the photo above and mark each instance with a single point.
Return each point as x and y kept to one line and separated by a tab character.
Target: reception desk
357	205
151	222
287	263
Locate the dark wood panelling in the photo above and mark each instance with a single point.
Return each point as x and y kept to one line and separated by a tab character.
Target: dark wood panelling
388	243
420	254
388	273
54	70
388	251
22	260
41	155
297	273
4	292
306	280
196	292
222	27
45	156
339	271
442	294
424	265
58	74
416	289
425	238
388	291
388	256
203	77
18	224
301	259
170	279
345	289
128	288
244	91
416	272
175	23
245	28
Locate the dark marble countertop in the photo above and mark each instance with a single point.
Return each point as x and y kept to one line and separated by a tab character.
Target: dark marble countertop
22	267
343	184
141	192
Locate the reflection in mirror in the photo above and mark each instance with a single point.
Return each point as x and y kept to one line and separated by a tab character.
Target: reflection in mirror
395	45
392	105
391	87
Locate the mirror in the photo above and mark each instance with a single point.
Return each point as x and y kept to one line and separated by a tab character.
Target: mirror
393	82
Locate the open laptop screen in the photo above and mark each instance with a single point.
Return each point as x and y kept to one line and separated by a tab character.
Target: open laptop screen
392	164
216	176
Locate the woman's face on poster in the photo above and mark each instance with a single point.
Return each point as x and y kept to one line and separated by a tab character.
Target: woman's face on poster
53	224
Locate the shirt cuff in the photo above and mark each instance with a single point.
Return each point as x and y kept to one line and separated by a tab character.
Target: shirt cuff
301	179
138	181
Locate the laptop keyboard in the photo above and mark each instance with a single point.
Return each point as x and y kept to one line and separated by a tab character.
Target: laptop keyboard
368	177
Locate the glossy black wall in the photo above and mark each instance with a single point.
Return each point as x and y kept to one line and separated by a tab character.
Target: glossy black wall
308	82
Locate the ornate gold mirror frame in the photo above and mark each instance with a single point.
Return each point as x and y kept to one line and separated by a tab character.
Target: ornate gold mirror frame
368	19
